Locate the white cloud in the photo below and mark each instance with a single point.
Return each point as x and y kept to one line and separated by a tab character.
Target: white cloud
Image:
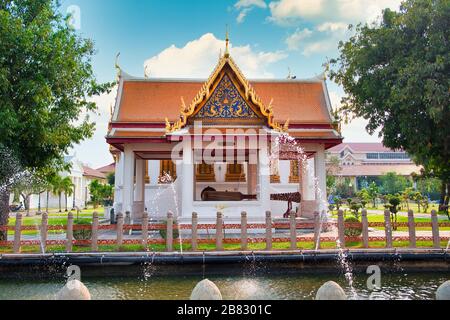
349	11
245	6
294	40
332	27
198	58
319	47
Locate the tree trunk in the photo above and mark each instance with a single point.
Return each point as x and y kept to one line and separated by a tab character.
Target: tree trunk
65	194
47	200
443	196
60	202
4	211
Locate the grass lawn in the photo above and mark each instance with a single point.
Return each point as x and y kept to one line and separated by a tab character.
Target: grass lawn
211	247
404	209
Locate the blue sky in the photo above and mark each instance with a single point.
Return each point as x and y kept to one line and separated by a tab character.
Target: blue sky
184	38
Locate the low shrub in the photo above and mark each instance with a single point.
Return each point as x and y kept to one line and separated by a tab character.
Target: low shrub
82	234
352	231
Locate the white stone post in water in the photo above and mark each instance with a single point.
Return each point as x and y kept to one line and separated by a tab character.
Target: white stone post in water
194	234
443	292
44	231
411	229
145	229
331	291
365	228
17	233
268	230
127	222
169	232
119	229
244	245
317	230
219	232
206	290
388	228
69	232
94	237
341	229
293	230
435	228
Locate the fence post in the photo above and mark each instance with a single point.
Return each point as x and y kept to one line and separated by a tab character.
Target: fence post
194	235
435	228
388	228
412	229
145	229
44	231
317	230
128	222
219	232
169	232
293	230
341	229
94	237
119	229
244	238
268	230
365	228
17	233
69	232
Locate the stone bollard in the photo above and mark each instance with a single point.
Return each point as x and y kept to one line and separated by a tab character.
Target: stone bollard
435	228
206	290
411	229
194	231
365	228
119	229
169	232
144	239
69	232
219	232
94	237
244	237
293	230
44	232
388	228
127	222
341	229
331	291
268	230
443	292
17	233
317	230
74	290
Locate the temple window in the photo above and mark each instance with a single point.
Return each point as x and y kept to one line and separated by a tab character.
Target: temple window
167	168
235	173
205	173
294	176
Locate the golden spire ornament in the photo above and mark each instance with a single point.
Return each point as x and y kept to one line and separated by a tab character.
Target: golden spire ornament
227	40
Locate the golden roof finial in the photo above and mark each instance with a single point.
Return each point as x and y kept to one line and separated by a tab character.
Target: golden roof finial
227	40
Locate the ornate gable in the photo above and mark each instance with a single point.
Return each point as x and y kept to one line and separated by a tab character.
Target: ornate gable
226	95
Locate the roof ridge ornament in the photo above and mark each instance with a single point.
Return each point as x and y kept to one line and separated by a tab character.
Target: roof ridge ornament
119	70
227	40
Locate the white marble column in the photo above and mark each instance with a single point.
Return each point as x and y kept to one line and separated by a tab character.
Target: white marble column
118	183
264	179
321	175
187	174
139	196
128	179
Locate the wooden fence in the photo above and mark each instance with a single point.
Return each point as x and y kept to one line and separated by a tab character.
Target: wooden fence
123	226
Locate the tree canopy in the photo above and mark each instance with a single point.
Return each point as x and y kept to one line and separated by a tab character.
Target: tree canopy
396	75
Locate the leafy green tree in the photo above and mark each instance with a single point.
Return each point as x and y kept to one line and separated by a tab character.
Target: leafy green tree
373	192
100	192
394	202
396	75
46	79
58	188
67	188
363	197
392	183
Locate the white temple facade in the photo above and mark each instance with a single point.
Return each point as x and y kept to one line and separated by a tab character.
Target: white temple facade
238	145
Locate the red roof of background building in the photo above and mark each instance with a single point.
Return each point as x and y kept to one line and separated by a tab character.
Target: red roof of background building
362	147
110	168
89	172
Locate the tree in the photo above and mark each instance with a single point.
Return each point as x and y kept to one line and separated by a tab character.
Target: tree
363	197
46	80
333	169
394	202
396	75
373	192
100	192
28	186
67	188
392	183
58	188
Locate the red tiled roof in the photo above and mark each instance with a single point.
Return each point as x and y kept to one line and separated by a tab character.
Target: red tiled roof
107	169
378	170
89	172
362	147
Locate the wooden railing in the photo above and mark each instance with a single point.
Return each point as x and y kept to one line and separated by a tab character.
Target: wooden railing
219	227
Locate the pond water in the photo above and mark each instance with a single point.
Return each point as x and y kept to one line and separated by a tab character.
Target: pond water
396	286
